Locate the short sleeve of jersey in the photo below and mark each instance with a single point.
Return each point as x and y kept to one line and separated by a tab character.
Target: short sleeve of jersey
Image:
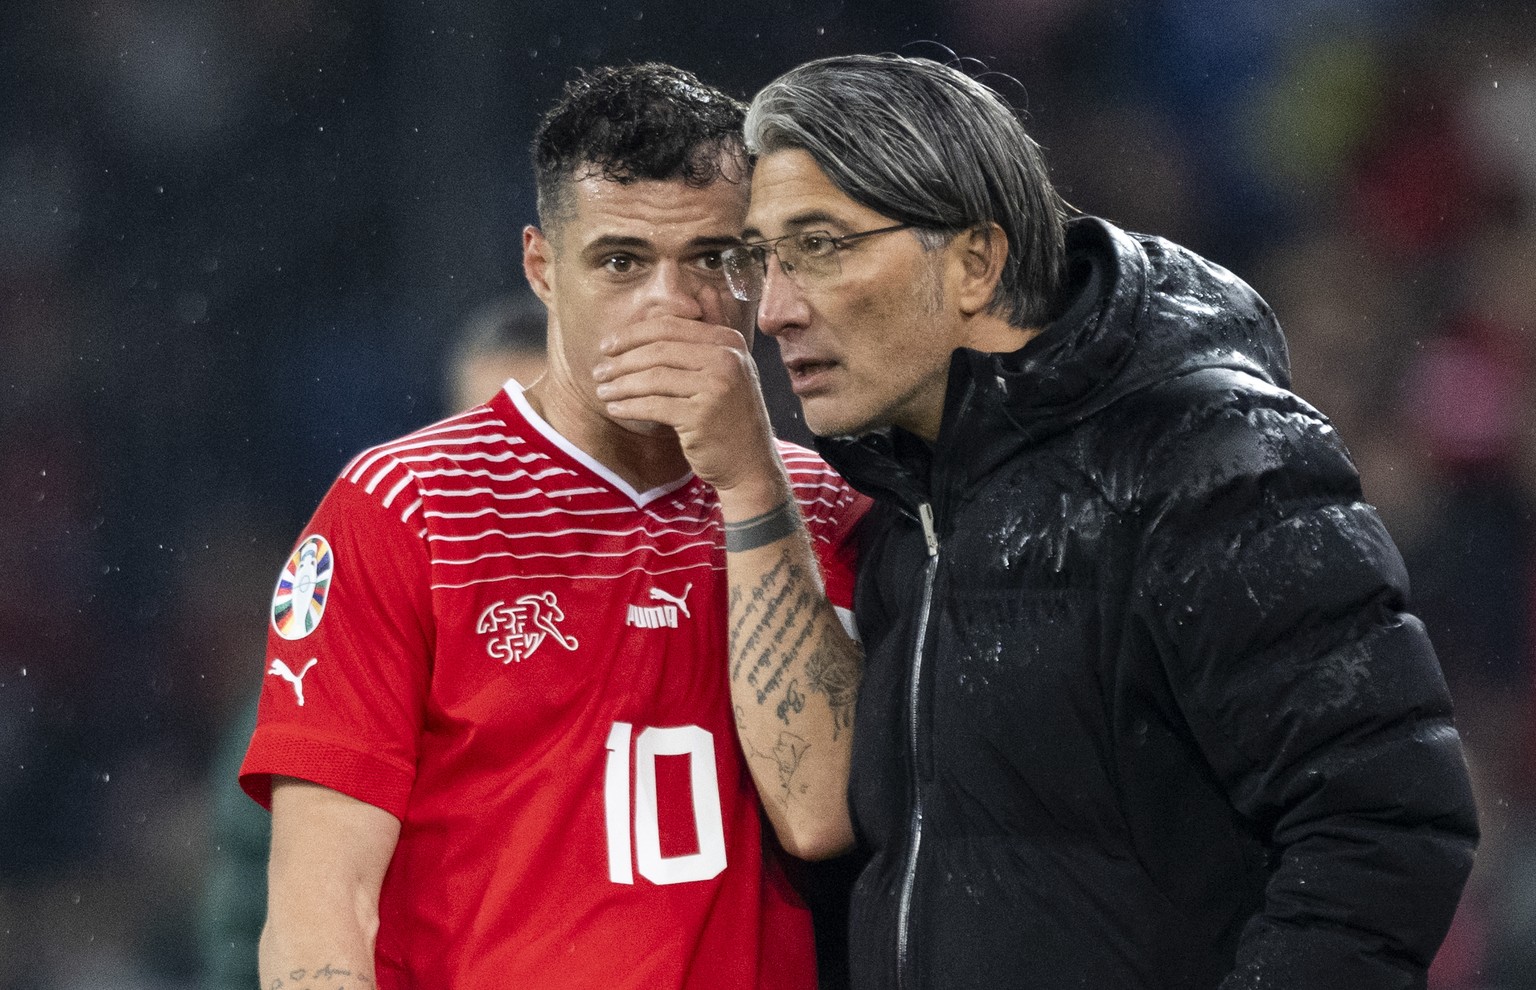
831	509
348	662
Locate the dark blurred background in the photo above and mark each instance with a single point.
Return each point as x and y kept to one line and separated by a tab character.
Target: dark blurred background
238	239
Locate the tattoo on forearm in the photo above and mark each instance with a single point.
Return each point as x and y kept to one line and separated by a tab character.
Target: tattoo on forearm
787	754
793	701
835	673
777	623
769	618
786	656
750	608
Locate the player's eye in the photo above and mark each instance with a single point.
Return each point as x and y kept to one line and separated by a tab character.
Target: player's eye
619	264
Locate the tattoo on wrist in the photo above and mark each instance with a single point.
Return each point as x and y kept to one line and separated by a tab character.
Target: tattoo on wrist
759	531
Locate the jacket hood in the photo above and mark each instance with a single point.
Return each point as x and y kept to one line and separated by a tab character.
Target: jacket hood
1136	310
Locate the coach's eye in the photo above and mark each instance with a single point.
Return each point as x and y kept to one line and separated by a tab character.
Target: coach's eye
711	261
815	244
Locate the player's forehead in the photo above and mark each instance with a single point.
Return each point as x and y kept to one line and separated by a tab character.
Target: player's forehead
658	215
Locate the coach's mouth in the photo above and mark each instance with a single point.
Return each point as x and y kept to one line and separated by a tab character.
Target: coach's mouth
808	374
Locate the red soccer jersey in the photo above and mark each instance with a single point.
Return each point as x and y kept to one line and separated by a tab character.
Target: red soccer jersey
491	636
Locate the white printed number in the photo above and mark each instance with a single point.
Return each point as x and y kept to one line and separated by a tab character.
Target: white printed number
684	740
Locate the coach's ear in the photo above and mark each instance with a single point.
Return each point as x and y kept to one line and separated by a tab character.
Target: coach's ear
980	254
538	258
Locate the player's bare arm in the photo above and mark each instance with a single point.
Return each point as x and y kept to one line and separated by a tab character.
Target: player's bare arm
794	671
329	854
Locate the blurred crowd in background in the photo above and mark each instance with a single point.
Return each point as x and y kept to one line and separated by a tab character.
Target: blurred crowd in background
242	239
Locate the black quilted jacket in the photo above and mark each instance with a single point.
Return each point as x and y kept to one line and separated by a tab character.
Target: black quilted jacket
1143	707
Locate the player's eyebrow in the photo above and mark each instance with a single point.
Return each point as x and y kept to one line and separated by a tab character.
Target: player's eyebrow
610	242
615	242
718	241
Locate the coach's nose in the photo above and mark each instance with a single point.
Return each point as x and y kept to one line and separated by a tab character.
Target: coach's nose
782	307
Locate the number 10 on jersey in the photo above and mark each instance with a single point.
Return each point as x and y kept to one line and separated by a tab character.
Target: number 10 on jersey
683	740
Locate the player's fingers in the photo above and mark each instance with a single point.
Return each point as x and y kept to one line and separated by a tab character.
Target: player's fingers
729	365
673	328
675	383
664	409
657	354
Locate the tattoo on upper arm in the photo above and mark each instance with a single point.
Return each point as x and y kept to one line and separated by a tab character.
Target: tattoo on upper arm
327	977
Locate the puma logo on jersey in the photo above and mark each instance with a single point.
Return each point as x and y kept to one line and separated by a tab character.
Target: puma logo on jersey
681	601
518	629
280	669
660	616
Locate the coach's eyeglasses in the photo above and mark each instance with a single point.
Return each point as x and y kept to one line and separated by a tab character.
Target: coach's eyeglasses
814	255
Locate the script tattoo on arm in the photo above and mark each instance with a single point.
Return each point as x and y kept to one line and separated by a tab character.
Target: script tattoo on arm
786	643
327	977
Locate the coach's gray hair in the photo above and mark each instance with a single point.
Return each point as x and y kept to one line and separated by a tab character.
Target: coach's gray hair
925	144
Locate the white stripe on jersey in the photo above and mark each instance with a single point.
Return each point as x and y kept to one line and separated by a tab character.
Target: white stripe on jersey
493	511
389	499
491	476
367	459
481	525
579	554
475	419
703	527
460	457
526	493
654	572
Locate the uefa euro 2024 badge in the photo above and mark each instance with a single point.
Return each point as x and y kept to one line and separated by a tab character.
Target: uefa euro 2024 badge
299	601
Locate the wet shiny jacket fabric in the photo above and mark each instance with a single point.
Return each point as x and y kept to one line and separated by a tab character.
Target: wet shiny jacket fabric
1145	709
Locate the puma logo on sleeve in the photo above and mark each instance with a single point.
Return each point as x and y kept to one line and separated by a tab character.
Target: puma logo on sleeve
297	680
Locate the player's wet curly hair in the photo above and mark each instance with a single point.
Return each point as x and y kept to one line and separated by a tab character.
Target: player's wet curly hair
635	122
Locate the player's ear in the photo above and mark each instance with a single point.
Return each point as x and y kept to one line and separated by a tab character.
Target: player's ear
538	256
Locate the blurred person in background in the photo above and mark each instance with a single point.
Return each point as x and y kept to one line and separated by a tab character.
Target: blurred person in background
495	732
1143	705
502	339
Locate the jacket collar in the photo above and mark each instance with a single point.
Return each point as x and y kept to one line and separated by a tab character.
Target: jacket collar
1136	311
995	403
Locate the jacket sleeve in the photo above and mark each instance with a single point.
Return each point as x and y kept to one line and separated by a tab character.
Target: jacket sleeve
1278	604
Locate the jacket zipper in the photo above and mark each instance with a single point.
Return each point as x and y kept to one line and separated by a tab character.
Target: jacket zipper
909	874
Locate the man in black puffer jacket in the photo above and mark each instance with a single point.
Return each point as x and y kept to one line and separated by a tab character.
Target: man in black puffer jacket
1142	704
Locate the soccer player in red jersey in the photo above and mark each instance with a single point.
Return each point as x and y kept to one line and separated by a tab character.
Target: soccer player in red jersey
496	730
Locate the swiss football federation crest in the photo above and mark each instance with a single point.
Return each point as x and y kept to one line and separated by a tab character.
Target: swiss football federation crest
299	601
518	629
